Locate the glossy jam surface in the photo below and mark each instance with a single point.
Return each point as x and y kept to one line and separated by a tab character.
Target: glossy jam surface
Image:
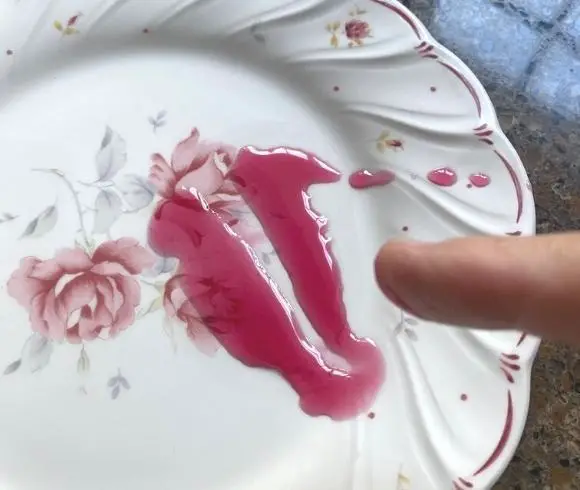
479	180
363	179
444	176
240	302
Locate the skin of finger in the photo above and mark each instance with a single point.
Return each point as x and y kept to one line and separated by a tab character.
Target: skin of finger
530	283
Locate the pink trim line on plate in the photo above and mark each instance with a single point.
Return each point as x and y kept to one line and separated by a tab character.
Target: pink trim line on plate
516	182
465	82
462	483
401	13
507	430
410	21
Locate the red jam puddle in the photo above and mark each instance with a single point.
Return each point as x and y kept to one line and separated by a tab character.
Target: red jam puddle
246	311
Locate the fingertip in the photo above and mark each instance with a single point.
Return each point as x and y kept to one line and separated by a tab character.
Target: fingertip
393	265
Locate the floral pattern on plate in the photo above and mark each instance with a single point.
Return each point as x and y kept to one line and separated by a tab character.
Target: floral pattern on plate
93	291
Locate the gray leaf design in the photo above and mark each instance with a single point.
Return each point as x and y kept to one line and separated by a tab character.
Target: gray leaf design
124	383
258	36
162	265
42	224
137	191
108	208
112	155
115	392
84	363
411	321
112	381
36	352
411	334
399	328
5	217
12	367
158	121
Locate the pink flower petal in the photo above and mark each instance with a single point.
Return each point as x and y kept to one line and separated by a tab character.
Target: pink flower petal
102	314
24	288
125	315
37	322
55	316
185	152
207	179
173	296
76	294
109	269
66	261
117	297
73	336
127	252
202	337
88	328
106	292
162	176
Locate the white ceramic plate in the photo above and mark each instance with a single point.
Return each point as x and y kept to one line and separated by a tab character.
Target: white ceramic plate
123	399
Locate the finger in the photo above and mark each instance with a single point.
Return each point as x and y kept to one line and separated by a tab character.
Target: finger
530	283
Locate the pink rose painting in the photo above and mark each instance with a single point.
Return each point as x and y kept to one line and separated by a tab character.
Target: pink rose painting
202	165
77	297
101	286
194	163
356	30
177	305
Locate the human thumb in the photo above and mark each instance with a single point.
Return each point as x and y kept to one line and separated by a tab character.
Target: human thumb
528	283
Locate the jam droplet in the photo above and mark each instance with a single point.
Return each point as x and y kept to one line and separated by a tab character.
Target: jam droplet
479	180
363	179
444	176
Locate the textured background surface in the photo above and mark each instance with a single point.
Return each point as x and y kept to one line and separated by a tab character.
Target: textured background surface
527	54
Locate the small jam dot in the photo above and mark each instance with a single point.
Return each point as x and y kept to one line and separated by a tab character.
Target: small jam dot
372	415
405	228
433	89
469	186
336	88
9	52
146	31
463	397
